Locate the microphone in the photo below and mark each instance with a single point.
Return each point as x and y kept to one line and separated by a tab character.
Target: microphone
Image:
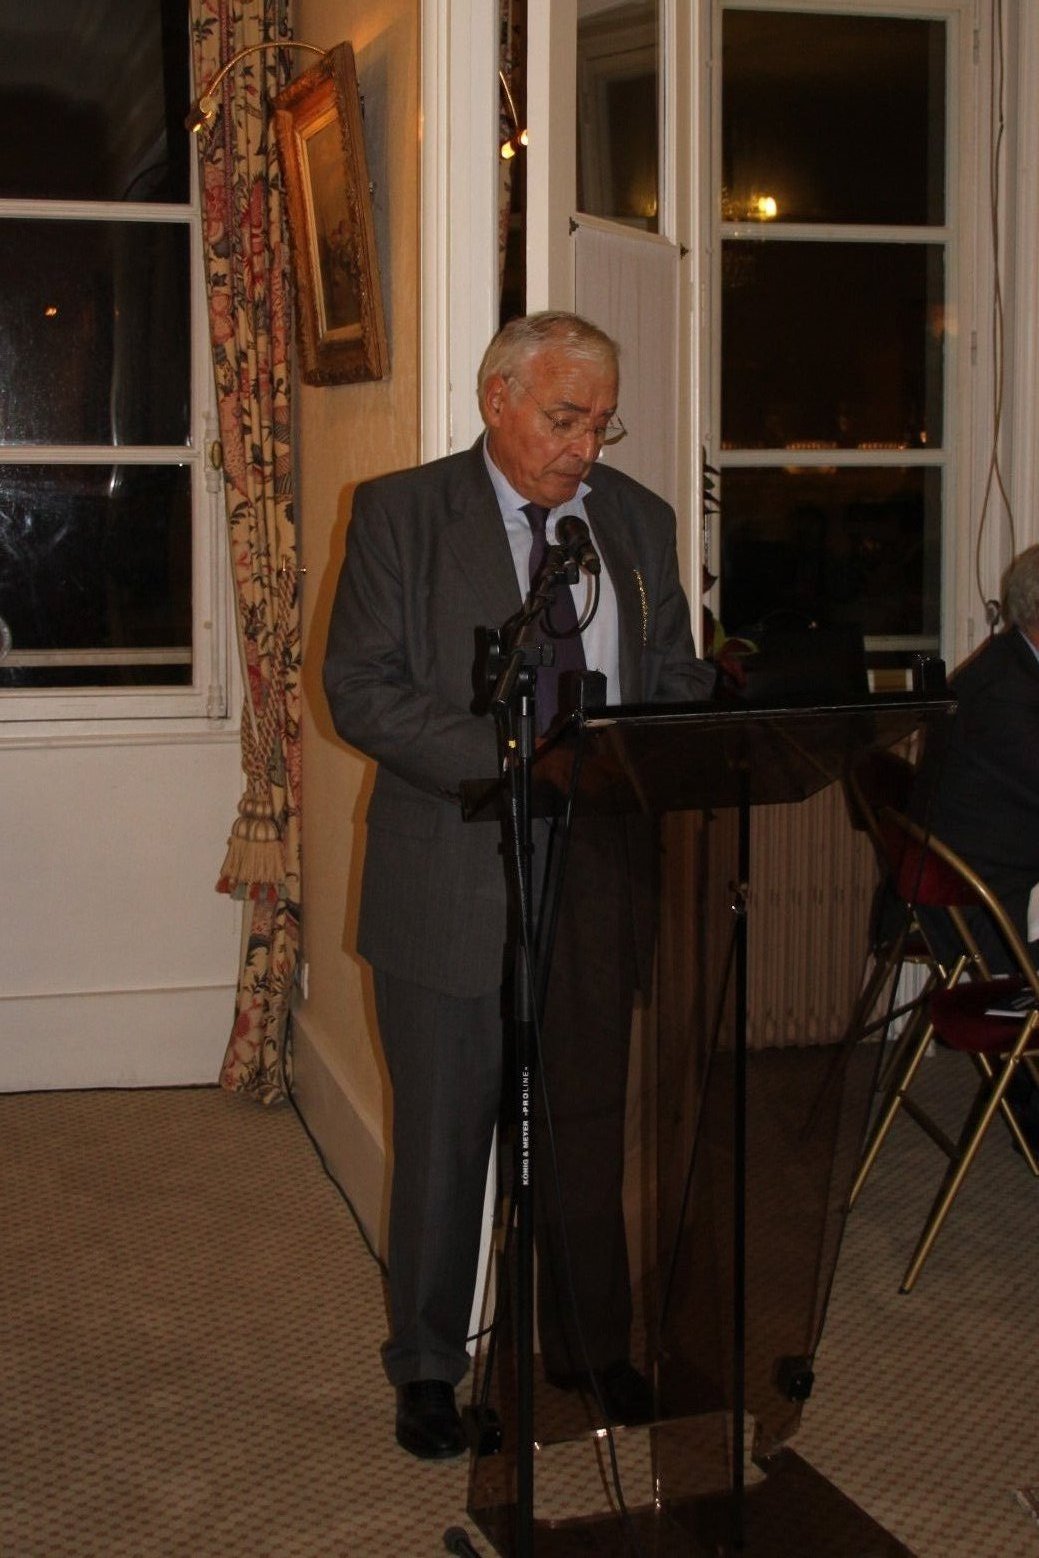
572	535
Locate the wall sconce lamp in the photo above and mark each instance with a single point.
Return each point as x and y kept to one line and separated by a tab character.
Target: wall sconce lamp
203	110
518	137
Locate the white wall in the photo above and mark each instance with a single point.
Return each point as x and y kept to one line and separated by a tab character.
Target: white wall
118	959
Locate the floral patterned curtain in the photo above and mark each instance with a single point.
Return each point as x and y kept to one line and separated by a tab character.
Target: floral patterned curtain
248	281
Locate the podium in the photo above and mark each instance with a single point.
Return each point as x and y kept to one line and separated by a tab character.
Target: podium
736	1174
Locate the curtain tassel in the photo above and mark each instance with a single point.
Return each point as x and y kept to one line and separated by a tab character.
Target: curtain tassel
254	866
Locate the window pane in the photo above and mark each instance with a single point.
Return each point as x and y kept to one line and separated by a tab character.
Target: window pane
94	340
617	117
95	558
92	101
837	118
832	344
851	547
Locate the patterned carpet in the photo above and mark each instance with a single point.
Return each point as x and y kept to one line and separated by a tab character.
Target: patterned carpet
191	1324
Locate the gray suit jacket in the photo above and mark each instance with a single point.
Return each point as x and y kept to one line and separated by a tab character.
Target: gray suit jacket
427	561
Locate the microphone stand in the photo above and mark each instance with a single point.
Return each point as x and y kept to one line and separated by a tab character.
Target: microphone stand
456	1540
512	702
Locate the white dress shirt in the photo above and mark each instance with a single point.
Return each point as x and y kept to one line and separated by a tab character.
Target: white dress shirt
600	638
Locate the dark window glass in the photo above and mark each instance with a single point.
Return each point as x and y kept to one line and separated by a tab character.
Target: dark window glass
92	100
832	344
855	548
95	558
837	118
617	115
94	339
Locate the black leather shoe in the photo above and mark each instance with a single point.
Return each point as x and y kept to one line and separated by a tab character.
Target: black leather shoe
625	1393
428	1424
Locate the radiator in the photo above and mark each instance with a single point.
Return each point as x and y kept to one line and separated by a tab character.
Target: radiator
812	879
812	882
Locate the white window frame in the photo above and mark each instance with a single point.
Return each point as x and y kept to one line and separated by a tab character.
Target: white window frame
208	701
1004	374
968	279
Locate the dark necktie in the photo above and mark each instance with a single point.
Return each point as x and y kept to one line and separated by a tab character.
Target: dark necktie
569	652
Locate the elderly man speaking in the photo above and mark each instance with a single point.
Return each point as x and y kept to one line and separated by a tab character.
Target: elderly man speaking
432	553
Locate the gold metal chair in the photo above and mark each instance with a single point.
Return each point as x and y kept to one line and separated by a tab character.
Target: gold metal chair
968	1011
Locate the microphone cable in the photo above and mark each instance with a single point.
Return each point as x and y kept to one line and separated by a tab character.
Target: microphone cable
531	967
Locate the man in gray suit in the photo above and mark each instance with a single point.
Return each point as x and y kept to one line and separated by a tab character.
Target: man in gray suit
431	554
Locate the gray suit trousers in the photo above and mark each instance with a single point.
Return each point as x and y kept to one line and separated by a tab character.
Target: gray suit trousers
444	1055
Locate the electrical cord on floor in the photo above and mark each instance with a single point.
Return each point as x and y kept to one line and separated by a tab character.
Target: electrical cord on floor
369	1246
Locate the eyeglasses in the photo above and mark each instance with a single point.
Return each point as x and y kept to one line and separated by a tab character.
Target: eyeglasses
568	429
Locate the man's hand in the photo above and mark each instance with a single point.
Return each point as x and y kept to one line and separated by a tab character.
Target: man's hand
732	674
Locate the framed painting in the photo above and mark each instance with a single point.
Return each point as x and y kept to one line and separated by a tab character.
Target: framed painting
339	317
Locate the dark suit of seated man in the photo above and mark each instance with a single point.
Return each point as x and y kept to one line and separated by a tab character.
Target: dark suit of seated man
432	553
981	795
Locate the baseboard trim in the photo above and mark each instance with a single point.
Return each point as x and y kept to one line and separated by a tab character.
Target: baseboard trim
115	1038
348	1140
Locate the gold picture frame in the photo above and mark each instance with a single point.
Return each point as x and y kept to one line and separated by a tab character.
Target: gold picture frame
339	317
